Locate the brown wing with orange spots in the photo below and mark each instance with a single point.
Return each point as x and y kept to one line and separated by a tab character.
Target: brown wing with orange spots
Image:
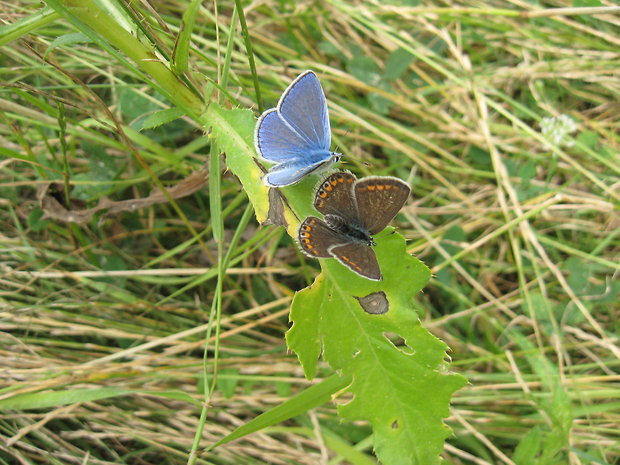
335	197
315	238
379	198
359	257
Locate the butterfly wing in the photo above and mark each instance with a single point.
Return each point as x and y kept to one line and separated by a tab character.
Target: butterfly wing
276	141
296	131
335	196
304	107
290	172
316	238
379	199
359	257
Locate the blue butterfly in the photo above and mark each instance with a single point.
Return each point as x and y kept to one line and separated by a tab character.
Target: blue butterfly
295	135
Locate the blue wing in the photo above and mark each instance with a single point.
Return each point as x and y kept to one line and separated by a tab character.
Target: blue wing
276	141
304	107
299	125
288	173
295	135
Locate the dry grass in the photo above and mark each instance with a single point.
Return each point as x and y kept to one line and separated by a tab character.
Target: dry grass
523	237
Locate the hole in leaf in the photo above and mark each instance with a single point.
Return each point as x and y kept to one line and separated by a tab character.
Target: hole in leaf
375	303
395	424
399	343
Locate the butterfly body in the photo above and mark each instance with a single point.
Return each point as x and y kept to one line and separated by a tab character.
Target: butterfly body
354	232
353	211
295	135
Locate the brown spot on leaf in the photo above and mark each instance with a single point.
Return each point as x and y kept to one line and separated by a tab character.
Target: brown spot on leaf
375	303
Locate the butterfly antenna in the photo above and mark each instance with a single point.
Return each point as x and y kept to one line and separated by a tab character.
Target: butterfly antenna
336	151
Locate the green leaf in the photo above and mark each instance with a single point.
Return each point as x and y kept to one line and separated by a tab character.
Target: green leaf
452	237
233	131
396	64
36	221
579	273
67	40
134	106
379	103
542	308
365	69
26	24
400	379
344	449
310	398
479	157
588	138
586	3
555	402
527	171
47	399
227	381
180	53
215	195
529	447
103	168
161	117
